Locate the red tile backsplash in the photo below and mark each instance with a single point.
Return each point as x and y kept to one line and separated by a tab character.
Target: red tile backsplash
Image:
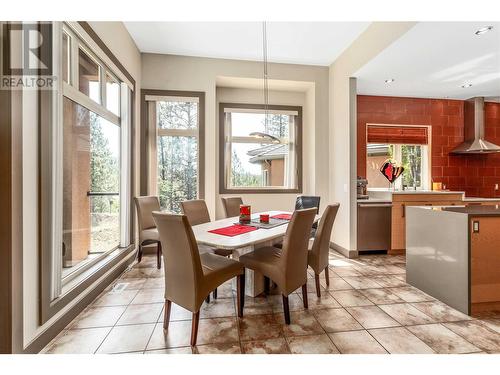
474	174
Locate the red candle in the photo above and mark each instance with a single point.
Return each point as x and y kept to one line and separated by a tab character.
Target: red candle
264	218
245	213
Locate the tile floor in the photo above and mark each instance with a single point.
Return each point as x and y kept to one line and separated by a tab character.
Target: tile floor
367	308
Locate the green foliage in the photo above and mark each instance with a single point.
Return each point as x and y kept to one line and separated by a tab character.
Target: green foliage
240	177
412	162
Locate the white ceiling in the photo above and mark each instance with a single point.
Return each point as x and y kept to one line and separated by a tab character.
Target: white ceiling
433	59
311	43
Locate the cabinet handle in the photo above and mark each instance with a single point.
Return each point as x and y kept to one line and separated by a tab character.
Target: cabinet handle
404	209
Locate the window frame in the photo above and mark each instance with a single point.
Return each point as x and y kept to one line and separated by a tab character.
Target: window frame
150	132
56	293
223	157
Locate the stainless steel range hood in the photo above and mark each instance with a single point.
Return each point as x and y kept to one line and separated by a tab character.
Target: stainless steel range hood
474	130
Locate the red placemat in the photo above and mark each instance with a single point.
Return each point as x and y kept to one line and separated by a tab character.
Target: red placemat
233	230
282	216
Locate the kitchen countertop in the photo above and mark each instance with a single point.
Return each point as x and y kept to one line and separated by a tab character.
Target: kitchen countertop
427	192
466	210
478	199
373	200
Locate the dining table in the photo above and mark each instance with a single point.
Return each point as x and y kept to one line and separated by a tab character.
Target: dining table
243	243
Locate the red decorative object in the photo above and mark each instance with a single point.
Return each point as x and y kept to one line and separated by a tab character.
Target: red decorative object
245	213
391	171
233	230
282	217
264	218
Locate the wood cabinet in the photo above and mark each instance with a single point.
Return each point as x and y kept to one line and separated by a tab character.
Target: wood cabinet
399	204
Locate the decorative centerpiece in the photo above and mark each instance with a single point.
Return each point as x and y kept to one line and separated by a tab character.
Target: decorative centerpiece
391	171
245	213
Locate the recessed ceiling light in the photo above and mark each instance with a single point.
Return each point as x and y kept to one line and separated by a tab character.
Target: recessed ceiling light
466	85
390	80
483	30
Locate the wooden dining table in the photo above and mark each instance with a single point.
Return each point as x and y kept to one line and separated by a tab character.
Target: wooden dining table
243	243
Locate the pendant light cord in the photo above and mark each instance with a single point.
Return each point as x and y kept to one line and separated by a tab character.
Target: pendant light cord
266	83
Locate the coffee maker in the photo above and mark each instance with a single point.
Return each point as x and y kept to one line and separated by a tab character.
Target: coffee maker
361	185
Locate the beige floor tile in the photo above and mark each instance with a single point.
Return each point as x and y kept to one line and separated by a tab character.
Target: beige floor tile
232	348
270	346
351	298
301	323
218	308
178	313
226	291
295	303
361	282
154	283
178	335
149	296
400	341
381	296
477	334
127	338
116	298
78	341
336	283
440	312
316	344
326	301
493	324
371	317
410	294
356	342
183	350
137	273
442	340
260	305
140	314
259	327
336	320
406	314
217	331
94	317
344	271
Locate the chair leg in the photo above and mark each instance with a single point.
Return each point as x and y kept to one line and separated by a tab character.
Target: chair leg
286	309
158	255
166	314
304	296
240	291
267	283
139	254
194	327
207	300
316	279
215	293
327	276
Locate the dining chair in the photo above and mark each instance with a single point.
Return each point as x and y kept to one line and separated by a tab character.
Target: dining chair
197	213
306	201
148	233
189	275
232	206
286	267
319	248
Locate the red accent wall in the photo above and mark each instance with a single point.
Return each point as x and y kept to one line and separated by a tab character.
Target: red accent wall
474	174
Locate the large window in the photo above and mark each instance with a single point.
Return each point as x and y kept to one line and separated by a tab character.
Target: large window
260	150
407	146
176	129
91	161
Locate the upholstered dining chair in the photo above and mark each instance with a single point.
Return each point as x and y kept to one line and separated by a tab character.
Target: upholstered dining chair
286	267
197	213
319	248
305	201
148	234
189	275
231	206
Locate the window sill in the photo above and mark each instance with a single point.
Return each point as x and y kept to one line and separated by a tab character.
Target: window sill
260	191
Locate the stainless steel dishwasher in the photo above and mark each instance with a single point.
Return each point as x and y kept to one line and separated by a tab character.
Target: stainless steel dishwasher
374	226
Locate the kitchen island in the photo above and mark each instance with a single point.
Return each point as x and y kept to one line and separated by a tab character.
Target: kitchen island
453	254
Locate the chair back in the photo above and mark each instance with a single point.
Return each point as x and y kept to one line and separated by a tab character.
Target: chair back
304	201
183	270
321	244
295	247
145	207
196	211
232	206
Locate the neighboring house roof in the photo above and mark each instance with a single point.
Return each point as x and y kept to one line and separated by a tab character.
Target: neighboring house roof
268	152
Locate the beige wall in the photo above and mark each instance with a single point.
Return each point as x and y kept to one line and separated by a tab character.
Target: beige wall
118	40
168	72
342	134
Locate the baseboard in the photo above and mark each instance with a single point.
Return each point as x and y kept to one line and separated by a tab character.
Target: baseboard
44	338
343	251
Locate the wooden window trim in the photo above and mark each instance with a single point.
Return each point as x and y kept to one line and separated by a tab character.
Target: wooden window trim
223	189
